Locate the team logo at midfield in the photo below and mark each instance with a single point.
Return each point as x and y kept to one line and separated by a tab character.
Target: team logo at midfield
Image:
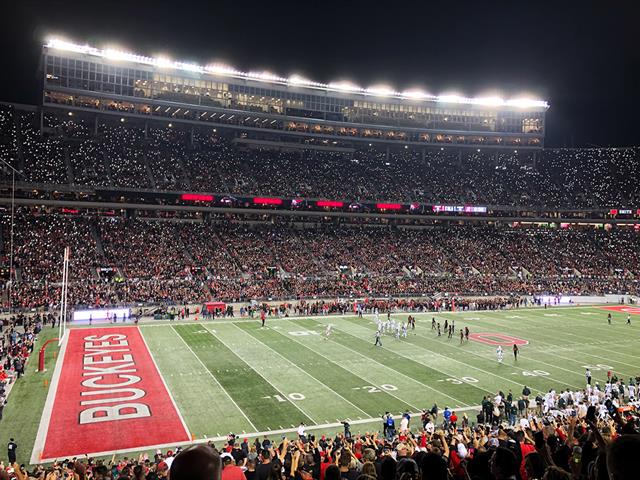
497	339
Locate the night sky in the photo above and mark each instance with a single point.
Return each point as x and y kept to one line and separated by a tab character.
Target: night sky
577	55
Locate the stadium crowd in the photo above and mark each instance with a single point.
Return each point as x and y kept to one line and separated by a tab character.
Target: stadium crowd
17	337
76	152
126	260
587	434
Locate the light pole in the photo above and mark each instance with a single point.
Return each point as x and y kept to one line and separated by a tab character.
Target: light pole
13	205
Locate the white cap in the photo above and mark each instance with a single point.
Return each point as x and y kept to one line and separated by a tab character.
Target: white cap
462	451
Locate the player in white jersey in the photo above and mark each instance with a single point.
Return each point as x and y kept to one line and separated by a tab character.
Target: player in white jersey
404	330
499	353
327	332
632	392
376	312
398	330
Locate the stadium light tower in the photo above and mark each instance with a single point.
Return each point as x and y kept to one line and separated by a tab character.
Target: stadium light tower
13	205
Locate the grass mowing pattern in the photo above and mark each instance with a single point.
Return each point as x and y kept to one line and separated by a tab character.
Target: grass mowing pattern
205	407
331	373
463	360
421	372
320	402
253	394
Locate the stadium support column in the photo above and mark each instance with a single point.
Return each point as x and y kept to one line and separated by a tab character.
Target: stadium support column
387	157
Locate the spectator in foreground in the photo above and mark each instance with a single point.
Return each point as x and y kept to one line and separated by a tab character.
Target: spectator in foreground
230	470
198	462
622	456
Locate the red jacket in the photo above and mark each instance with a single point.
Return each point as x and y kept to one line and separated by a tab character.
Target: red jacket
233	472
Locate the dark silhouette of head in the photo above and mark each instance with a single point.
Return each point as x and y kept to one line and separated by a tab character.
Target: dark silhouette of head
622	457
198	462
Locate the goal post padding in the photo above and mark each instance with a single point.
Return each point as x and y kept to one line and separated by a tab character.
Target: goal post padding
42	353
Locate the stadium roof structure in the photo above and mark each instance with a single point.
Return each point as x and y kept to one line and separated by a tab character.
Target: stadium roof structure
294	80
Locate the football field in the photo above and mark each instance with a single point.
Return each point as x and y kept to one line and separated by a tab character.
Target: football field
178	382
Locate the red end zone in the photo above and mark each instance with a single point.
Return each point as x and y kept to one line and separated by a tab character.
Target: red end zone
109	396
623	309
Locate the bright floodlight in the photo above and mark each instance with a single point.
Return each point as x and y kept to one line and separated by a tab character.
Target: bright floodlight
113	54
526	103
163	62
489	101
381	90
268	76
220	68
345	86
189	67
416	94
296	79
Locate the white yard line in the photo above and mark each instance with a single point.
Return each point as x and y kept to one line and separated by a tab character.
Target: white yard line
385	366
586	343
412	359
468	365
214	378
266	379
303	371
175	405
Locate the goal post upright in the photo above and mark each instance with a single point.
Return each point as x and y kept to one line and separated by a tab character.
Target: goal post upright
62	323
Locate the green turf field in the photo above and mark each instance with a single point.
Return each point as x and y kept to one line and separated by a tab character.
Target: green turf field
235	376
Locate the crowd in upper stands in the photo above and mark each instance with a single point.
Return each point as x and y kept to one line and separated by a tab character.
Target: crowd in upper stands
72	151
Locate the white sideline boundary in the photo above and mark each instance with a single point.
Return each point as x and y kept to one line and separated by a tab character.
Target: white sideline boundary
247	435
508	380
164	383
43	427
